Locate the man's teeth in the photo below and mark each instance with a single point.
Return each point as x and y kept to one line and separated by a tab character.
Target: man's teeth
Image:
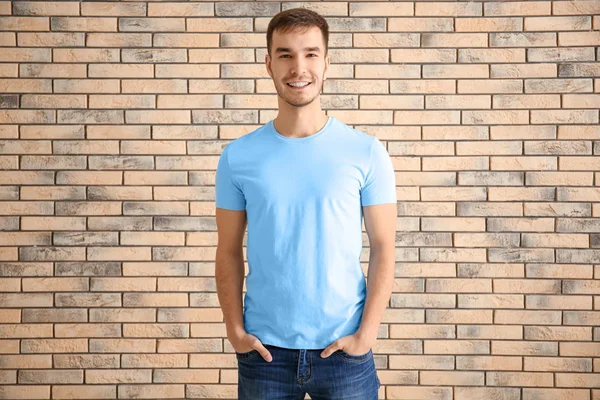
299	84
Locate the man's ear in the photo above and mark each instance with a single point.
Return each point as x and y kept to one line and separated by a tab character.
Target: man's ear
268	65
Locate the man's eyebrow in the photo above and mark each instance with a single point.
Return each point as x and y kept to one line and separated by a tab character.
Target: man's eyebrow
287	50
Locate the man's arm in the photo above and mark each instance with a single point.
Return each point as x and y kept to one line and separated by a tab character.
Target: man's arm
229	267
380	224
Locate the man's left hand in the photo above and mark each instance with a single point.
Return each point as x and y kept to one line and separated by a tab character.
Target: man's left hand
351	344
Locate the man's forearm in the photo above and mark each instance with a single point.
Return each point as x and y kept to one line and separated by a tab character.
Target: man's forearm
379	289
229	277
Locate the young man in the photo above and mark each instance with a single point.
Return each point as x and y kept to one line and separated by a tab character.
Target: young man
302	182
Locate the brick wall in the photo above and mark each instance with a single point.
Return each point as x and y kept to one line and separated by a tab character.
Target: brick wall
112	119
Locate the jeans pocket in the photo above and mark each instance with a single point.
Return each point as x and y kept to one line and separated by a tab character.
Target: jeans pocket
246	355
362	357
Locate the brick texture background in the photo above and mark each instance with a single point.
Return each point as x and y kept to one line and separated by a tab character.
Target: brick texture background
112	119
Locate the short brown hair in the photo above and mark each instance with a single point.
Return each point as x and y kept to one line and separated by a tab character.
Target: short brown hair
295	18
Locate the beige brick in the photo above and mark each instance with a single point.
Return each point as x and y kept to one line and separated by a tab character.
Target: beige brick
488	148
122	101
453	194
391	102
559	178
491	55
526	101
158	117
361	55
579	69
495	117
490	86
519	163
102	8
148	24
419	392
524	70
516	317
378	9
520	225
556	394
558	85
180	10
90	116
9	70
456	346
53	71
558	23
457	101
580	194
522	39
455	71
379	40
119	39
455	133
121	71
581	101
453	224
558	147
85	55
575	8
84	391
187	40
488	24
564	117
561	54
5	8
355	86
50	39
490	301
454	39
580	163
154	86
527	132
25	24
557	302
430	117
25	85
26	391
421	24
27	116
518	8
221	56
192	101
45	8
154	55
558	209
387	71
476	209
50	101
221	86
452	378
8	39
521	194
83	24
454	163
186	70
219	24
422	56
491	178
423	86
86	86
519	379
448	9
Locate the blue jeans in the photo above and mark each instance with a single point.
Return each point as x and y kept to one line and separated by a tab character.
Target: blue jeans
294	372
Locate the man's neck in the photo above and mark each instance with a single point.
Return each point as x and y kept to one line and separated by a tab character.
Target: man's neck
299	125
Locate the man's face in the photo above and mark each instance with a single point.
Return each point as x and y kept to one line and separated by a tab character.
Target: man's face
298	57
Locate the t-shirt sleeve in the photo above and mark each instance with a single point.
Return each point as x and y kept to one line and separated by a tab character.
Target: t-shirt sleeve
380	180
228	193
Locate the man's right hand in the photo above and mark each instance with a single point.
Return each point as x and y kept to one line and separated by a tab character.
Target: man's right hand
246	342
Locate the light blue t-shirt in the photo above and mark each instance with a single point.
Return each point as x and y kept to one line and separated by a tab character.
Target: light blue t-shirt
305	287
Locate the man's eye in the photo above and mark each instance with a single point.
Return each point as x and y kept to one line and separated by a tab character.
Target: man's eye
311	54
285	55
